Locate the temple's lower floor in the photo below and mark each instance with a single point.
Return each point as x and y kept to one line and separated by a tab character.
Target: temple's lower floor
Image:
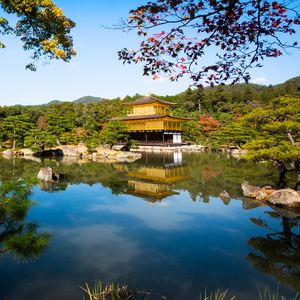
156	138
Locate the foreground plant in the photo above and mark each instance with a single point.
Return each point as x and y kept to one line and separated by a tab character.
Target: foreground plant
112	291
268	295
217	295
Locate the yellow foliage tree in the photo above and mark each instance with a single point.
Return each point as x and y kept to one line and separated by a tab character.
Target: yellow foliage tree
41	26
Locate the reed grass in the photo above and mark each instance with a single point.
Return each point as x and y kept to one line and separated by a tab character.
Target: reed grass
112	291
269	295
217	295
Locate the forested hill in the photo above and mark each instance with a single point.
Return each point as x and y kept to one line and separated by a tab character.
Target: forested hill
88	99
85	99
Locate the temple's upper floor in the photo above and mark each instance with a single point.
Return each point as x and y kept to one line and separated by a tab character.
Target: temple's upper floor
148	106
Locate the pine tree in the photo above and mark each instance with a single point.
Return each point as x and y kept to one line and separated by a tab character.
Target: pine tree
278	125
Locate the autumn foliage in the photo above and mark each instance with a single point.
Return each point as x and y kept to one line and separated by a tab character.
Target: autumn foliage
209	123
177	34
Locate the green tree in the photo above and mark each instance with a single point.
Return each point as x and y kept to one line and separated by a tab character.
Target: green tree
278	125
93	141
38	139
193	132
41	26
234	134
15	128
59	125
114	132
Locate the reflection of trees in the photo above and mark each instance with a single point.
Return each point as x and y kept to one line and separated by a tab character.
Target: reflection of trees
18	237
74	173
278	253
211	173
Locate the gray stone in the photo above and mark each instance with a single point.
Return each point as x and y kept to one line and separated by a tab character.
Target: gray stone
285	197
249	190
45	174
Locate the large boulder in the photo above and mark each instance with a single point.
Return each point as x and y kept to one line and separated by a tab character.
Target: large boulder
285	197
74	151
26	152
249	190
45	174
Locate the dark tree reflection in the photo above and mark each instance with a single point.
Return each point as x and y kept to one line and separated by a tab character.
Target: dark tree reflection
278	253
19	237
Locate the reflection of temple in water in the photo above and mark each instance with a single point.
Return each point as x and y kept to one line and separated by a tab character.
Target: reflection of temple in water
154	180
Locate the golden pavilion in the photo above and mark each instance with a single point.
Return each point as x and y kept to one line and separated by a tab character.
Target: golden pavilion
150	123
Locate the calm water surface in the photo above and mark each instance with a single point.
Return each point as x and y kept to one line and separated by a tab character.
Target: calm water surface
157	225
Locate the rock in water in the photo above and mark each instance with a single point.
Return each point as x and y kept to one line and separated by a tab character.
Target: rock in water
225	197
249	190
285	197
45	174
224	194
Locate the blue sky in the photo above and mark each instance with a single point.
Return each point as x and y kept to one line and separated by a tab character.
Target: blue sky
96	70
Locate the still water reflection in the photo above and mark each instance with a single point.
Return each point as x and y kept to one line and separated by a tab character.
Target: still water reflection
158	225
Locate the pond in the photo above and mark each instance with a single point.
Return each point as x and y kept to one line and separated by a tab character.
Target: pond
158	225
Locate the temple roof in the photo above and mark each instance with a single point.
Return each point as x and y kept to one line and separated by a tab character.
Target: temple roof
143	117
149	99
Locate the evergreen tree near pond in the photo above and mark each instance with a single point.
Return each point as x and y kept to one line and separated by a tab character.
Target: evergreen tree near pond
38	140
114	132
269	133
278	135
15	128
